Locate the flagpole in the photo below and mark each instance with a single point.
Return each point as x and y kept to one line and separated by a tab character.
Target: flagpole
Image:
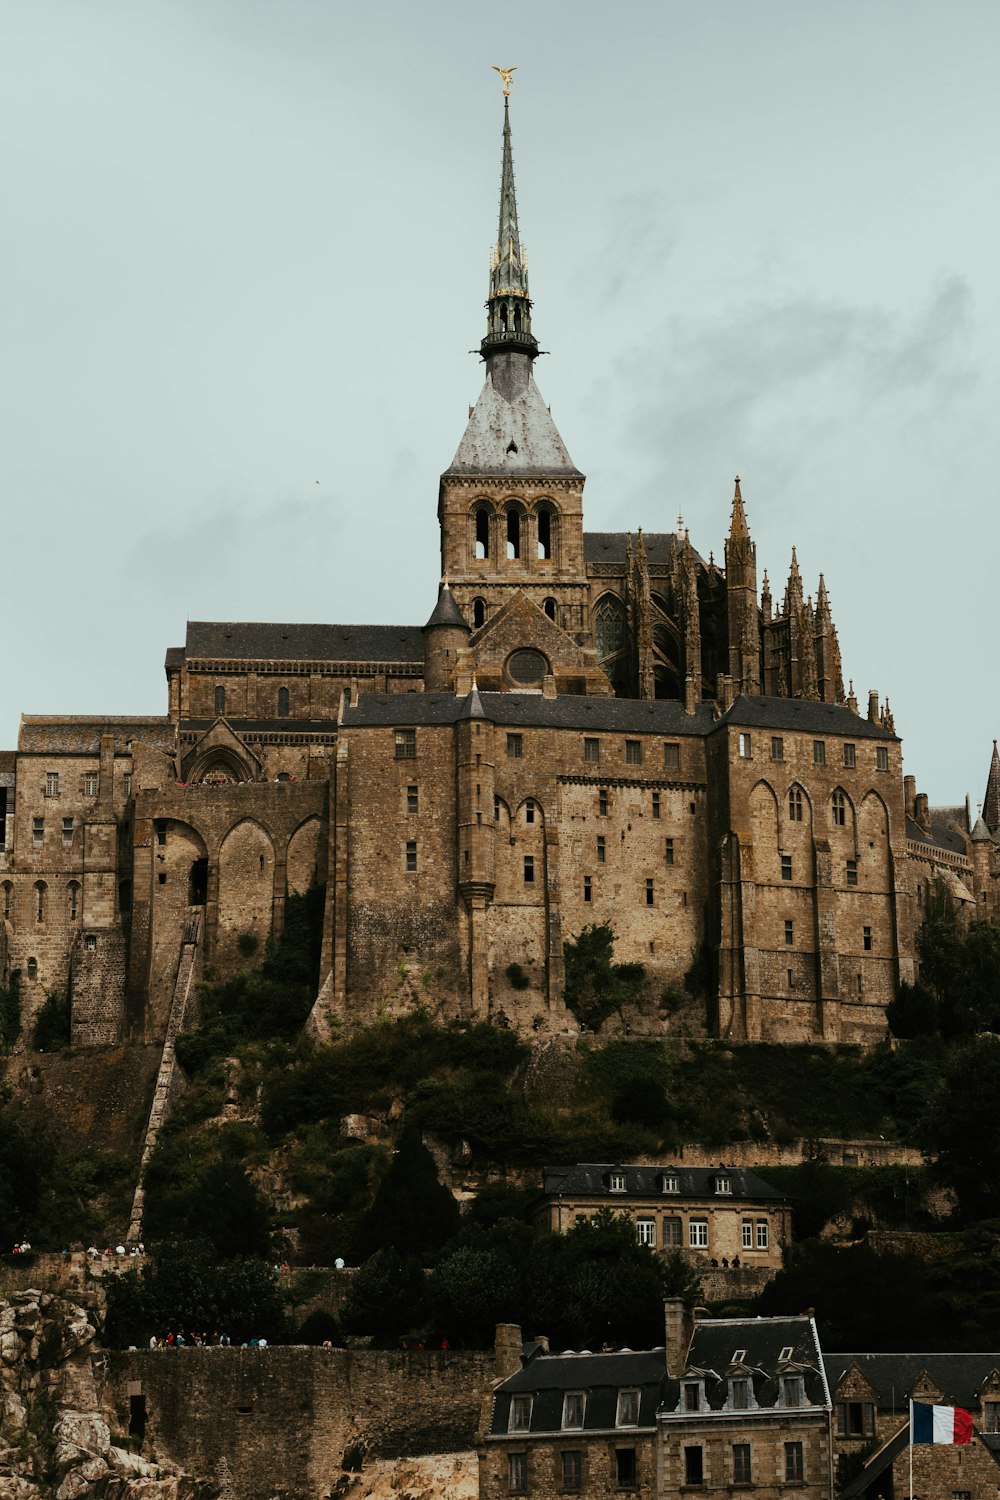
911	1448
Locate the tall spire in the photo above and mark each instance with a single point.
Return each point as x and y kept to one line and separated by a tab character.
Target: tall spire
991	802
508	325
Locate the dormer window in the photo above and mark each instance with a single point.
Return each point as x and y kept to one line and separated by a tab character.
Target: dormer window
739	1357
628	1409
793	1390
616	1182
786	1353
669	1183
520	1414
574	1408
740	1393
724	1185
691	1395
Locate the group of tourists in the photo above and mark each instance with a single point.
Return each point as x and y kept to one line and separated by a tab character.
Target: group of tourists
180	1340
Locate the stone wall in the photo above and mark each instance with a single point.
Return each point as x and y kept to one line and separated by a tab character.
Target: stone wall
291	1418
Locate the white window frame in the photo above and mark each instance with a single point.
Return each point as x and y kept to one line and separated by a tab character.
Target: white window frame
724	1187
645	1231
52	783
670	1183
622	1419
698	1234
745	746
747	1231
617	1182
569	1410
518	1404
91	783
762	1234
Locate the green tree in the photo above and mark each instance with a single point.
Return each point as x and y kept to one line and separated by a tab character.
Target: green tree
595	986
412	1212
961	1127
387	1297
183	1286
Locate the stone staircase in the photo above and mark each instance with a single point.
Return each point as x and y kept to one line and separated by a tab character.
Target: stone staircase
163	1093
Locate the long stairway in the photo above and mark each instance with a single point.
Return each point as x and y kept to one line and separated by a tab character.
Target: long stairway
160	1108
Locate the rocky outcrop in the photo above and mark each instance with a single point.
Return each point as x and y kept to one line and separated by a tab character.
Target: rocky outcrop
54	1441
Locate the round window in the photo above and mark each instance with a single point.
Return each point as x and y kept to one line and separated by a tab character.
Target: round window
527	667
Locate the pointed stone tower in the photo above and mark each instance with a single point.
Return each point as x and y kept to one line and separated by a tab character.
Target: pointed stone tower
991	802
510	504
741	600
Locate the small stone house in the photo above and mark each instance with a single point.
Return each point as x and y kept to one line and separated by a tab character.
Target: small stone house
722	1215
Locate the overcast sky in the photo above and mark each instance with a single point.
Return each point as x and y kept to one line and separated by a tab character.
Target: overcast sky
245	255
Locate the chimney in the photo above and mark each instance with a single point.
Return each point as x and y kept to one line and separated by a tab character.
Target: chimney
506	1350
543	1340
689	704
909	794
873	706
677	1331
922	812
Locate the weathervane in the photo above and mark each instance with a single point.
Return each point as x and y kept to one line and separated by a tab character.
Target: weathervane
505	75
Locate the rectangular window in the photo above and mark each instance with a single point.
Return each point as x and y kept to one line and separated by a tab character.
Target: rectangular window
602	802
852	872
656	804
819	752
91	783
67	832
866	933
668	850
724	1186
671	756
694	1467
649	893
625	1467
698	1234
777	747
412	799
574	1407
850	756
515	746
856	1419
748	1234
786	867
588	888
601	849
991	1416
529	869
406	744
692	1396
520	1414
741	1463
617	1182
794	1468
628	1409
411	855
671	1233
633	752
529	811
592	751
881	758
517	1473
739	1393
744	743
793	1391
789	932
860	985
161	833
572	1470
127	783
645	1231
37	832
52	783
761	1234
669	1183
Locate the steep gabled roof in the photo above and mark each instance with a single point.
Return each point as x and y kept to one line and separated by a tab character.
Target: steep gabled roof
761	1343
516	438
892	1376
548	1377
592	1179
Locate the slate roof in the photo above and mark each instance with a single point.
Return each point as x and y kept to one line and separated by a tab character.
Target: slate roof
939	838
716	1340
446	611
257	641
803	714
532	710
174	657
496	423
610	546
80	734
591	1179
547	1377
877	1465
892	1376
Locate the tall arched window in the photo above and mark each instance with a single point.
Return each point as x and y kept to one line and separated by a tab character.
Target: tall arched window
282	703
73	895
838	807
32	968
220	700
40	891
549	608
478	613
610	628
546	528
513	533
482	531
795	804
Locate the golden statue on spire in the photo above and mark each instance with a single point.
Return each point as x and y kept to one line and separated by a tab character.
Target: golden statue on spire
505	75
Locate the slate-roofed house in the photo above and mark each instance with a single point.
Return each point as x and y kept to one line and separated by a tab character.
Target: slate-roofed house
871	1395
721	1215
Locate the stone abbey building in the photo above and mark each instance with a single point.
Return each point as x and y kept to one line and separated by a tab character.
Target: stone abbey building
590	728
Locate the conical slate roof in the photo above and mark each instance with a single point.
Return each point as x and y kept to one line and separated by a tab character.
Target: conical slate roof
511	436
447	612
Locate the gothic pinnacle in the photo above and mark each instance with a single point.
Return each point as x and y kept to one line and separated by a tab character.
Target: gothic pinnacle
508	304
738	527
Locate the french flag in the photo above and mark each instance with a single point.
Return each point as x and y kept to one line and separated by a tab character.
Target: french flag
939	1424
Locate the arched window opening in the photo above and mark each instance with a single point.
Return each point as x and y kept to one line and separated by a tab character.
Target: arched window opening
283	703
198	883
517	317
32	968
513	534
40	892
795	804
220	701
482	532
73	892
838	806
8	899
478	613
610	628
503	316
544	533
549	608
